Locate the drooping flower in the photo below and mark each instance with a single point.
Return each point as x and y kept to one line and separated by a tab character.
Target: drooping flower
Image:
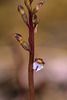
38	64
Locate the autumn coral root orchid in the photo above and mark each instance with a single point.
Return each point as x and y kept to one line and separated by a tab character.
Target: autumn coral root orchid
32	23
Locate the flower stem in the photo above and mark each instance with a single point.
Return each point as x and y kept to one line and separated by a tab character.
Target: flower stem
31	58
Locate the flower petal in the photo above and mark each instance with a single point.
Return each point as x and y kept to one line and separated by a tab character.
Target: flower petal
39	60
37	66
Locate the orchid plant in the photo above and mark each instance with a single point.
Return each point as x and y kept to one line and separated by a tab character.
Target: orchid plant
32	24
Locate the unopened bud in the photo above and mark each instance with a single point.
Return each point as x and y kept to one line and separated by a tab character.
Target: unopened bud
38	6
31	1
35	25
23	15
27	3
34	18
22	42
35	29
18	37
21	9
25	45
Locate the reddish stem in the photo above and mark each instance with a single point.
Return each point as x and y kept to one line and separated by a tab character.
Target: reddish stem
31	58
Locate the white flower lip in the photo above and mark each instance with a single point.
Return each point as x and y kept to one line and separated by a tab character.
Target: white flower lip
37	66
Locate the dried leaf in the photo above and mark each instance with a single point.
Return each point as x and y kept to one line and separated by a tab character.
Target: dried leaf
38	6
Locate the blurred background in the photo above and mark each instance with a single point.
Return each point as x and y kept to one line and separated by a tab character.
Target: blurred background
50	44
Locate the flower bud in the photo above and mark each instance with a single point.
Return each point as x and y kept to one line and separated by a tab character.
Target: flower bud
35	29
18	37
21	9
22	42
35	25
37	7
34	18
36	22
25	45
23	15
27	3
31	1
